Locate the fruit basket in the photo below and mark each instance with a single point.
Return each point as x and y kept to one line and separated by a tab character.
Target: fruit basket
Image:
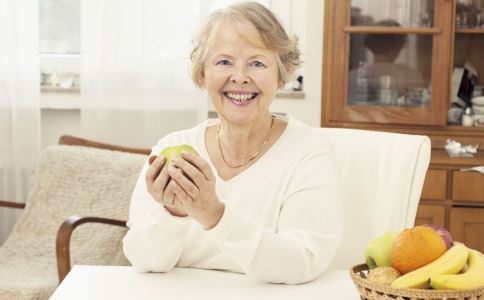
377	291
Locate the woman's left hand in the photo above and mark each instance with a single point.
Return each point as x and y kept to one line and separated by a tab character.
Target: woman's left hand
194	186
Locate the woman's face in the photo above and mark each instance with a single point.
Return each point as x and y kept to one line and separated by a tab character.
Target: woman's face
241	79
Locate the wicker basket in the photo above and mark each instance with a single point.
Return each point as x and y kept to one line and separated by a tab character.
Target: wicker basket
377	291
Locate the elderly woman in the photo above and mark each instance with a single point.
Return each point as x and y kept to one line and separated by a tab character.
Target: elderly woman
261	198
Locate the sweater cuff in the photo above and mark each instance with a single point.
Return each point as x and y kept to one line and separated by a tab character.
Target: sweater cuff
226	225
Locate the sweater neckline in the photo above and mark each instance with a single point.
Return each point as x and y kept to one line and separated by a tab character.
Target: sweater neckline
201	140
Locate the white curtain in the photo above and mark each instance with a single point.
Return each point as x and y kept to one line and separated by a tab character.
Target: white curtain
19	104
135	69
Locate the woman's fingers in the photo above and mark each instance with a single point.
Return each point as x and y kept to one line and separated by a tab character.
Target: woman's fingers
172	202
151	159
160	182
188	186
200	164
156	164
181	195
157	181
169	196
157	178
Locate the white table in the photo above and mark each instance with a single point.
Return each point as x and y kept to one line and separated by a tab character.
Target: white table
119	283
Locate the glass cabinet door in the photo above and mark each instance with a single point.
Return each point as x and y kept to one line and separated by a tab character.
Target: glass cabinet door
384	69
468	58
389	60
401	13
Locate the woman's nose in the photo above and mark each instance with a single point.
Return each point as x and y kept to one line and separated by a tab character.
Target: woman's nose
239	75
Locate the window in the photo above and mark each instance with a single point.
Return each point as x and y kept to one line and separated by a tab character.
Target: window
59	26
59	31
60	37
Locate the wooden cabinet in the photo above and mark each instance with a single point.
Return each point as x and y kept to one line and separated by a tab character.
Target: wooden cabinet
389	63
388	66
430	214
453	198
374	72
468	186
368	84
467	224
435	187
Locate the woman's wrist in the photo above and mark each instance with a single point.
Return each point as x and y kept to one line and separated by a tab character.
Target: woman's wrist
215	217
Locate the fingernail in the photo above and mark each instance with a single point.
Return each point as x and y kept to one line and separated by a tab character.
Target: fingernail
185	153
171	168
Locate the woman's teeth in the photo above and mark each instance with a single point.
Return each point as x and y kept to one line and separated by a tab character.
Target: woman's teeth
241	97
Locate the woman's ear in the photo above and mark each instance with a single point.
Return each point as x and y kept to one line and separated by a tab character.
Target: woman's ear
280	84
288	74
289	69
201	80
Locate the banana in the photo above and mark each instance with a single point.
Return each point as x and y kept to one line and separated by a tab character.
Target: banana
451	262
472	278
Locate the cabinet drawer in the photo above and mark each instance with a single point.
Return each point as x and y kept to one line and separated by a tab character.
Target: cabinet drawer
430	214
467	225
468	186
435	185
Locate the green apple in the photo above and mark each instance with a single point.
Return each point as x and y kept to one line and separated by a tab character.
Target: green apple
378	251
175	151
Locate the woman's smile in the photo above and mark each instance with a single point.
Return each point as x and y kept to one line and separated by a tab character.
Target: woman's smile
240	98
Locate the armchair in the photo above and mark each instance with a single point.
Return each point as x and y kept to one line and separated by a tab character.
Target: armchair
65	231
71	181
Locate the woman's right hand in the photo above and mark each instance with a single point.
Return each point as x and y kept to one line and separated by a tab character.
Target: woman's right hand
157	180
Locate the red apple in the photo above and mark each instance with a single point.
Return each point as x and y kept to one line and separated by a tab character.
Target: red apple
444	233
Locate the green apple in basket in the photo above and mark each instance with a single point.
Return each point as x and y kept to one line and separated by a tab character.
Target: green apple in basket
378	251
175	151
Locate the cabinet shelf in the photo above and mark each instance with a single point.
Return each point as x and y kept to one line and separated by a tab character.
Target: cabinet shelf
390	30
470	30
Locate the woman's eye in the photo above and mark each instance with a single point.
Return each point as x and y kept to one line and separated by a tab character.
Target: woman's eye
223	62
257	64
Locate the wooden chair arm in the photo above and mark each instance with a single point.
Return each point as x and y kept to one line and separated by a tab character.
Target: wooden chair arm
65	231
11	204
64	236
72	140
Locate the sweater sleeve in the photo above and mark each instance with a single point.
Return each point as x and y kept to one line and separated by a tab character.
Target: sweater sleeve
155	239
308	233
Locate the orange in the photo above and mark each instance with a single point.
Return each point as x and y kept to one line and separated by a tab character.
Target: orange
416	247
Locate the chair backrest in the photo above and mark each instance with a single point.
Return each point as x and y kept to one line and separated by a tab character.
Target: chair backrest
77	141
73	180
381	176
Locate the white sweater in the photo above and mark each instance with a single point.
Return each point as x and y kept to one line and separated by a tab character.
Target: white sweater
282	221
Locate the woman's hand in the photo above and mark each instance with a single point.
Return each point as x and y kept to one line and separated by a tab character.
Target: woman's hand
194	185
157	179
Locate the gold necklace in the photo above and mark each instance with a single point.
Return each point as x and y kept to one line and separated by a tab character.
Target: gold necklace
251	158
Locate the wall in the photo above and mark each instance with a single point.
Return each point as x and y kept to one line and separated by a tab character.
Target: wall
306	19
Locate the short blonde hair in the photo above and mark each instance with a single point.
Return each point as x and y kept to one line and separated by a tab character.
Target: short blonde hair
256	24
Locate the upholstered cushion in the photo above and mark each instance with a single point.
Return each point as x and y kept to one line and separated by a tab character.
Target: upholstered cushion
70	180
